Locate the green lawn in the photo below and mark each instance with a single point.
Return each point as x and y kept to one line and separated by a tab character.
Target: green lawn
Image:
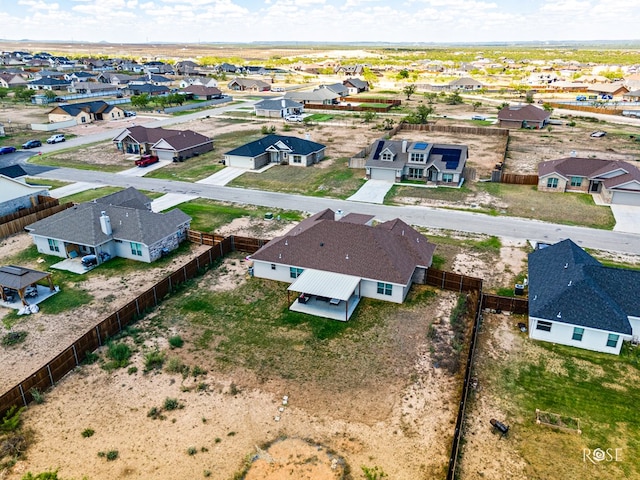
336	180
47	182
319	117
92	194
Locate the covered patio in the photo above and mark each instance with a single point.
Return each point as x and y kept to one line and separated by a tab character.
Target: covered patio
20	283
325	294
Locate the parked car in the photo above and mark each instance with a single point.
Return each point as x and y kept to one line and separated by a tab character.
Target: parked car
32	144
146	160
56	138
478	117
129	113
598	134
4	150
581	98
293	118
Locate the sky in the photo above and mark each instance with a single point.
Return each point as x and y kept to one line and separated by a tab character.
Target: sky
396	21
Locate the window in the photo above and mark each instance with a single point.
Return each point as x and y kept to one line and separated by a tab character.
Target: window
273	266
384	288
544	326
417	157
447	177
576	181
136	248
552	183
297	159
416	173
577	334
53	245
295	272
612	340
386	156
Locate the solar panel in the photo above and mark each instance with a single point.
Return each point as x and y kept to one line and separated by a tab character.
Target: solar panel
13	270
378	150
450	156
420	146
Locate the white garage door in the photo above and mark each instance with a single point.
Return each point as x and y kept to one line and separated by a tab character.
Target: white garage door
165	154
626	198
388	175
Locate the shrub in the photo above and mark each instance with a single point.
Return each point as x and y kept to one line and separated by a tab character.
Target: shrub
192	450
90	357
119	354
172	404
155	413
88	432
195	371
41	476
11	421
153	360
176	341
37	395
13	338
175	365
132	370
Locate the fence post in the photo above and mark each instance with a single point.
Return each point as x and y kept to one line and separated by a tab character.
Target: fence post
98	332
170	286
75	354
118	318
137	306
461	278
155	296
50	376
184	272
444	274
24	398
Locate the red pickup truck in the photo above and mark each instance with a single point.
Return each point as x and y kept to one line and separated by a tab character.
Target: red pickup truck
146	160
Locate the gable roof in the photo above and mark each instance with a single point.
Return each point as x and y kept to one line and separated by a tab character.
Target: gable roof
201	90
568	285
129	197
446	158
297	146
389	252
13	171
522	113
612	173
277	104
178	140
356	83
95	107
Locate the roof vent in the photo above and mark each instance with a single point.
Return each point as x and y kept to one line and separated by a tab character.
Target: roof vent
286	242
535	297
566	265
569	284
279	255
346	256
559	315
322	244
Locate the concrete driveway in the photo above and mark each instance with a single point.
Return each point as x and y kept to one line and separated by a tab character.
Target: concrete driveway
627	218
223	177
373	191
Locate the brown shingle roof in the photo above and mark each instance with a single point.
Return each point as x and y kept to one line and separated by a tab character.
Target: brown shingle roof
590	168
389	252
520	114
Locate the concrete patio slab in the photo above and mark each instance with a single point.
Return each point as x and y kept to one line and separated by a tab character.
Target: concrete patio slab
373	191
73	265
43	294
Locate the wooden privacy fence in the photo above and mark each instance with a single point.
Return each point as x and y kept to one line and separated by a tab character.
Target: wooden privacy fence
488	131
518	179
506	304
374	100
452	281
73	356
42	203
587	108
17	225
350	108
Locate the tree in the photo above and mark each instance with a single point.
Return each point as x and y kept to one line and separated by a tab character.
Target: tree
23	94
502	105
421	114
402	74
161	101
50	95
4	92
140	100
409	90
476	105
547	107
455	99
529	97
368	116
369	77
431	97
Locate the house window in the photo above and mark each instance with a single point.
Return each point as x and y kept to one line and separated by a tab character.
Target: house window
53	245
544	326
273	266
384	288
136	248
297	159
552	183
84	120
576	181
612	340
577	334
387	156
295	272
416	173
447	177
417	157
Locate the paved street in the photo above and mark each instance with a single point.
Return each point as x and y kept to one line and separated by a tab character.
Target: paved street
427	217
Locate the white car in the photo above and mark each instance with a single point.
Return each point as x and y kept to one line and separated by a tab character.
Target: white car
293	118
56	138
478	117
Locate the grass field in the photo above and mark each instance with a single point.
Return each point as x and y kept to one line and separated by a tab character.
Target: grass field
337	180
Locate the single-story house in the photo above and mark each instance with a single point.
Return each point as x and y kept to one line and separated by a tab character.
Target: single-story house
333	260
319	96
166	144
115	78
337	88
79	76
11	80
275	149
575	300
278	108
93	87
355	85
248	84
614	89
435	164
632	96
86	112
200	92
523	116
16	194
465	84
146	88
48	83
186	67
617	182
152	79
117	225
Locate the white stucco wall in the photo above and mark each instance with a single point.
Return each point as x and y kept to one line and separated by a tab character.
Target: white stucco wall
123	249
562	333
42	244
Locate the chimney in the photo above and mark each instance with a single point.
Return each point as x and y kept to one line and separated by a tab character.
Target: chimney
404	146
307	136
338	215
105	223
283	102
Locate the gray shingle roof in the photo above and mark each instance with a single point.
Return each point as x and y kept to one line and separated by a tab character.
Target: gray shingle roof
297	145
446	158
276	104
568	285
388	252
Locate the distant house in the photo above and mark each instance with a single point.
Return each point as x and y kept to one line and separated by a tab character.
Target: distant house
48	83
397	160
355	85
350	70
523	116
616	89
86	112
632	96
320	96
465	84
200	92
248	84
275	149
278	108
166	144
186	67
153	79
120	225
146	88
94	87
575	300
12	80
16	194
337	88
333	260
79	76
617	182
115	78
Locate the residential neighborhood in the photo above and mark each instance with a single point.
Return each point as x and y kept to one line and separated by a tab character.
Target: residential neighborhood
445	289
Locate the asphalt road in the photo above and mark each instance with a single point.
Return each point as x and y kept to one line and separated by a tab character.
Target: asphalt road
509	227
